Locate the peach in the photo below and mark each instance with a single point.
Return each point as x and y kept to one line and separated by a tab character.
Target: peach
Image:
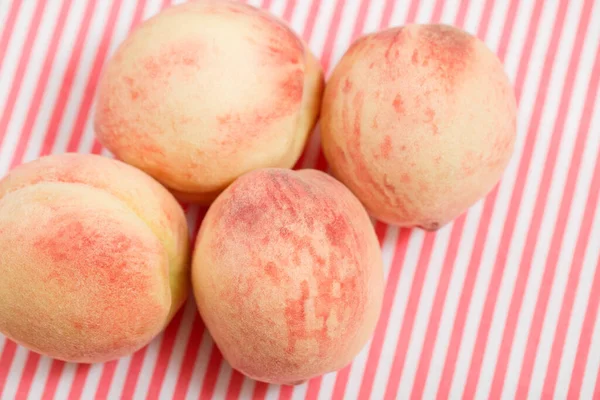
419	122
207	91
287	274
93	257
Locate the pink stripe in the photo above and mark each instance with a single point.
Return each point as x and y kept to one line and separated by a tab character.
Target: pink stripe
484	22
437	309
332	35
164	354
361	17
481	235
314	385
108	372
40	87
290	6
589	321
285	393
438	9
260	390
52	380
189	360
509	223
411	16
410	313
341	381
510	20
9	25
28	373
133	373
235	385
388	301
21	68
563	215
79	381
212	373
8	353
582	243
388	10
587	329
315	6
462	13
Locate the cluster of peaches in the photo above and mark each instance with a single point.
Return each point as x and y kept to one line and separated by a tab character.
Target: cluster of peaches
212	102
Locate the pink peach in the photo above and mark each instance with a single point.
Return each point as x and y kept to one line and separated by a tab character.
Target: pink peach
419	122
287	275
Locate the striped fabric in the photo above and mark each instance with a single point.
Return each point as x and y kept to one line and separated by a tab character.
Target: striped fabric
502	303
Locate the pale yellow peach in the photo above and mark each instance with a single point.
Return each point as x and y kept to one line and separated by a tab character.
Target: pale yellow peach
206	91
93	257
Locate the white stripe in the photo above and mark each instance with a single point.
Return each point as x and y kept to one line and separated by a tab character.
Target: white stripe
473	16
425	11
499	213
4	11
299	392
388	349
300	15
27	88
278	7
272	392
66	379
247	388
449	12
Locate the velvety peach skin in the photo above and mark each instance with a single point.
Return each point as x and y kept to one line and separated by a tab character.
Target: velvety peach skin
287	274
93	257
206	91
419	122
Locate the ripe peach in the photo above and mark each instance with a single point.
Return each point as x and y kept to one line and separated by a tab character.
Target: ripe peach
419	122
206	91
287	274
93	257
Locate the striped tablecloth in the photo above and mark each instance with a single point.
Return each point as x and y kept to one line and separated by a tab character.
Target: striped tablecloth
501	303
